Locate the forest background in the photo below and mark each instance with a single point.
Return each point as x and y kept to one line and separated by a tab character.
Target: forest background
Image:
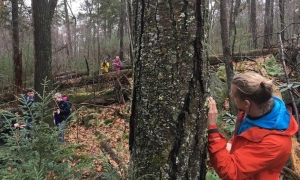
79	39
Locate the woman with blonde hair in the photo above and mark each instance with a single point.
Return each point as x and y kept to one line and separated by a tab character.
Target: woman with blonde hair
262	142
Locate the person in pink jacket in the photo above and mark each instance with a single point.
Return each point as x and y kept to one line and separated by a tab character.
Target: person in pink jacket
262	142
117	64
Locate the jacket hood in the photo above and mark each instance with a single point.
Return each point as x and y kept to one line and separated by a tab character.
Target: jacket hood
277	119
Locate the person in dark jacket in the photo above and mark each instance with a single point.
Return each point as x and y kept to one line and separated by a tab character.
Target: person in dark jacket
28	100
9	122
26	105
62	112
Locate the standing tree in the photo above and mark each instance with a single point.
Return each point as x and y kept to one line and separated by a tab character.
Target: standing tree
17	56
70	49
268	23
232	26
121	28
252	24
42	12
168	118
226	48
282	24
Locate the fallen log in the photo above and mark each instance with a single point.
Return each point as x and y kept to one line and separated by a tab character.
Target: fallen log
70	76
64	73
238	56
103	78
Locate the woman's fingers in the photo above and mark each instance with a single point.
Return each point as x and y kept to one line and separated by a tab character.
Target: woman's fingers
212	105
213	112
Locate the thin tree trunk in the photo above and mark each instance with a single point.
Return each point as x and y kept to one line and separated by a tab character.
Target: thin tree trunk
17	56
74	31
226	50
234	16
121	28
267	25
282	23
253	25
68	28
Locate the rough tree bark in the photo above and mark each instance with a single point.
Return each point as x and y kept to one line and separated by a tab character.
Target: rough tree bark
42	12
168	118
17	56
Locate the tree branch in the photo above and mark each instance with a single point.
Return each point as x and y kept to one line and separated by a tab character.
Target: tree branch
288	82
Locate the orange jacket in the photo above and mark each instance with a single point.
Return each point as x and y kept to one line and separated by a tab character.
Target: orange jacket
256	154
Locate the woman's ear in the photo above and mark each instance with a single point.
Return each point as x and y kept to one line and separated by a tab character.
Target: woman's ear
247	103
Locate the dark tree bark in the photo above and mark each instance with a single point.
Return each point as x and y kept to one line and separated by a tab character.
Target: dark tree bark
42	12
168	118
17	56
253	25
226	49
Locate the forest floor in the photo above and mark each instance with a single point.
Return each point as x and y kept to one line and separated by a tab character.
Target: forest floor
101	133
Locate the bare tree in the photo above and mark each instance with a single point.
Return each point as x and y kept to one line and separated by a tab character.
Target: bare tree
70	50
252	24
226	48
268	23
232	26
121	28
282	23
168	118
17	56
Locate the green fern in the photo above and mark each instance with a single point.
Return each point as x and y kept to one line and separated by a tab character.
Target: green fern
272	67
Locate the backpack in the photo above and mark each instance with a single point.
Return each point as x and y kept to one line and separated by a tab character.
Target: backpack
66	99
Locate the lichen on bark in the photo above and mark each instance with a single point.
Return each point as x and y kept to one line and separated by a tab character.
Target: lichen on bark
167	125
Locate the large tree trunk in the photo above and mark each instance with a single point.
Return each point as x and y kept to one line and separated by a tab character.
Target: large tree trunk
168	118
17	56
43	11
226	49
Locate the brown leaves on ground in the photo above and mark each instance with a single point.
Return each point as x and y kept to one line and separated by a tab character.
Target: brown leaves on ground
97	125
